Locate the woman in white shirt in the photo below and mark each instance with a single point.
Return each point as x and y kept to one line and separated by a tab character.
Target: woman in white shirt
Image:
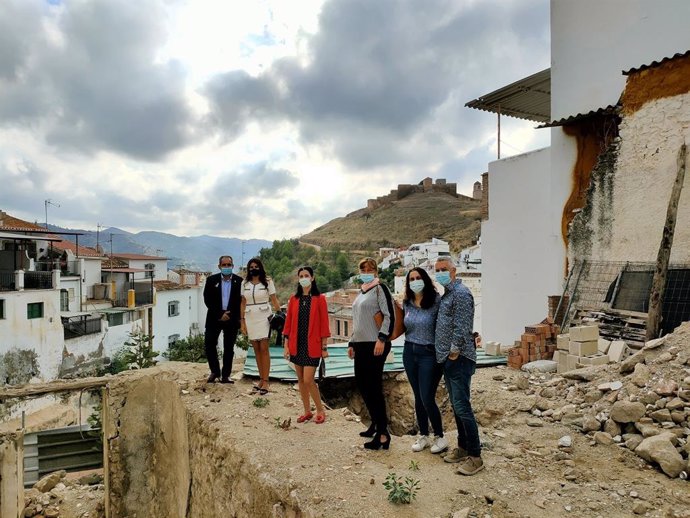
258	295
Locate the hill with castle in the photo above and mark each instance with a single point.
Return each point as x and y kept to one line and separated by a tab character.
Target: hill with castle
409	214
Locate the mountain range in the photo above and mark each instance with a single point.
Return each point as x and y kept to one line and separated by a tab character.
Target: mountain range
195	253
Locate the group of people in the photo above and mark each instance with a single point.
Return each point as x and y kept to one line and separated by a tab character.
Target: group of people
439	342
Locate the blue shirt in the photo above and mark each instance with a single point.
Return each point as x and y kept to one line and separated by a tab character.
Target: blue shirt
455	322
225	285
420	323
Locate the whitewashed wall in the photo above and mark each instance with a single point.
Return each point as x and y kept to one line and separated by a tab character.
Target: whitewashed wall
592	41
165	326
630	225
43	335
522	256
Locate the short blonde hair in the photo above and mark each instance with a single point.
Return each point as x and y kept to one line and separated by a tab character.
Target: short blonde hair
368	261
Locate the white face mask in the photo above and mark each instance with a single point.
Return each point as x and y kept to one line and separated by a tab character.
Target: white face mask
305	282
417	285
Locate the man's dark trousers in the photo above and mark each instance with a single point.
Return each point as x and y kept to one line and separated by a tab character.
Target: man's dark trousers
211	342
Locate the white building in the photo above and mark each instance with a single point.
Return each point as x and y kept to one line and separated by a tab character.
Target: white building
177	313
534	197
416	254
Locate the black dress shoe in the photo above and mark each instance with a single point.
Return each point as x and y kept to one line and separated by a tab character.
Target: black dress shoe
212	378
227	380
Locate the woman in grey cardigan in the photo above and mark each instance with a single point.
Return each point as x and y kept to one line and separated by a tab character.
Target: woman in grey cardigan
372	323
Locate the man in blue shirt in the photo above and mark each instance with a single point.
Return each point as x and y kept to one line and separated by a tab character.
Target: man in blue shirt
455	350
222	296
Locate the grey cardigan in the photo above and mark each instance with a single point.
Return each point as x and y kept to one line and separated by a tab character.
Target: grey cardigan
364	307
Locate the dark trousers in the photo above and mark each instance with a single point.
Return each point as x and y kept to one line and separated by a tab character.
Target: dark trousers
211	343
458	374
424	374
368	376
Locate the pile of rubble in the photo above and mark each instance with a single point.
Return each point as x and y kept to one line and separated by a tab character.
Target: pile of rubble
641	403
55	496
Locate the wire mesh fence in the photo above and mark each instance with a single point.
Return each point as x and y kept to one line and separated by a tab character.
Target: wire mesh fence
609	285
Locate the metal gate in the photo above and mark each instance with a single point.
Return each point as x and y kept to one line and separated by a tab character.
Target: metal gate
73	448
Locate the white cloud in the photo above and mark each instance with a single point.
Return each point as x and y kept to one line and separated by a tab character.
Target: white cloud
139	115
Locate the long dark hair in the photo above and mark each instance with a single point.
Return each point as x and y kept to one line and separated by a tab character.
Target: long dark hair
262	272
429	293
314	288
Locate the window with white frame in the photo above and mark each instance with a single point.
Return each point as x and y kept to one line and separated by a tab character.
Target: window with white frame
64	300
172	339
173	308
150	270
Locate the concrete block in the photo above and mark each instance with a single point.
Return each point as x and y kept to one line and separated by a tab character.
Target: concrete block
598	359
492	348
505	349
583	348
572	361
584	333
561	357
618	351
562	342
604	345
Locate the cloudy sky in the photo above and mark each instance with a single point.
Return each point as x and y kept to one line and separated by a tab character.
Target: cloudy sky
252	119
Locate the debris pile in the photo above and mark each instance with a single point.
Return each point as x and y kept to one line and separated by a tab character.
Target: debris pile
538	342
55	496
641	404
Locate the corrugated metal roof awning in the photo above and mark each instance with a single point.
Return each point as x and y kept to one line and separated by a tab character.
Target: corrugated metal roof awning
607	110
529	98
654	64
24	237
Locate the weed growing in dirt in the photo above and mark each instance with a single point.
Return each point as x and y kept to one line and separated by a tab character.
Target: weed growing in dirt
260	402
401	491
414	465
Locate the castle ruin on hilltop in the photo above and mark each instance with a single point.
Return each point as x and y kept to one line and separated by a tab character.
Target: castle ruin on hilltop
426	185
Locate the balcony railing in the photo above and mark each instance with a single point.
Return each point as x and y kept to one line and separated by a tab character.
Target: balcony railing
81	326
7	281
38	280
141	298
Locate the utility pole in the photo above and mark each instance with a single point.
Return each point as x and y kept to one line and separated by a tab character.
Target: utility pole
46	203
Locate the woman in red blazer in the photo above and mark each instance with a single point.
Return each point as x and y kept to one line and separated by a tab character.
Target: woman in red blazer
306	332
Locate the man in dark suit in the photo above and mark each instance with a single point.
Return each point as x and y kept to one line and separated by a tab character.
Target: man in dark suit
222	296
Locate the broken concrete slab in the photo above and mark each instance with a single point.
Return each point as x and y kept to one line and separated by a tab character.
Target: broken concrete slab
618	350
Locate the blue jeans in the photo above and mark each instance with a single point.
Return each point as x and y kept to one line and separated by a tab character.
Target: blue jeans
458	374
424	375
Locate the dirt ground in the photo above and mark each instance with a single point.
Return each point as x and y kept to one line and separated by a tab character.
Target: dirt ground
527	474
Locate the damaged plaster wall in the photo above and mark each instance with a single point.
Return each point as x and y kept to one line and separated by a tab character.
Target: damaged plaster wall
164	459
630	187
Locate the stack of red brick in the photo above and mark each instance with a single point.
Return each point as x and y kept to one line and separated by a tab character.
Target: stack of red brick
538	342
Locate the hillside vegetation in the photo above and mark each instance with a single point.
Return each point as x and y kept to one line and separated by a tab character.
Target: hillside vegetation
416	218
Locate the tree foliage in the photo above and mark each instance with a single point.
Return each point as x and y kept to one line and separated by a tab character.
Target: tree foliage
139	353
332	267
190	349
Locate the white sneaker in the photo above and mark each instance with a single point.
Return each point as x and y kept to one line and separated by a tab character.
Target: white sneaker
440	445
421	443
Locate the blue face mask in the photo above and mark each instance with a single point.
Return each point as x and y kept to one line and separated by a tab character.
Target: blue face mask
366	278
417	285
226	271
443	278
305	282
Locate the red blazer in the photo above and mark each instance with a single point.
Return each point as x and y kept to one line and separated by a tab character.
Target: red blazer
318	325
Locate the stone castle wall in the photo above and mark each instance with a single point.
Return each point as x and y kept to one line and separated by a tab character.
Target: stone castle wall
405	190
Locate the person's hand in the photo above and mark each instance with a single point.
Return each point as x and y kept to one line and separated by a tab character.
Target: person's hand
351	353
225	317
454	355
378	348
324	353
286	352
243	328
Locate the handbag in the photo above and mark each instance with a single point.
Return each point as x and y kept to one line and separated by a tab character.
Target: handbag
399	324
